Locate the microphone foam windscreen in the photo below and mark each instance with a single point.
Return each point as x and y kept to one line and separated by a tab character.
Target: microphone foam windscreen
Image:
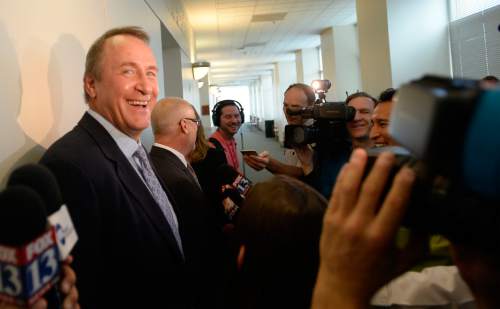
42	181
22	216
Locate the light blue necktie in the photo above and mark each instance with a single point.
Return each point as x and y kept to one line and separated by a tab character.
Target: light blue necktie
157	191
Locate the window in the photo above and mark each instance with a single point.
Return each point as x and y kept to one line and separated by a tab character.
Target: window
464	8
475	38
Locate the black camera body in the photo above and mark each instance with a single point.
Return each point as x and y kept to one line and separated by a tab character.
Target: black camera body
447	131
329	121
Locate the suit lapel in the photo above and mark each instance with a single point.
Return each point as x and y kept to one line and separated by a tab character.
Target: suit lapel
130	179
165	188
165	155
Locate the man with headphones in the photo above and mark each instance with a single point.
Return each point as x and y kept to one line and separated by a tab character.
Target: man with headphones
228	116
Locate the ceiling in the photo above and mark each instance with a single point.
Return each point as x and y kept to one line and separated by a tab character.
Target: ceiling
243	38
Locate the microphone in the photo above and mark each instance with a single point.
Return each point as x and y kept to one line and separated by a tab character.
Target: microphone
29	256
226	175
40	179
234	187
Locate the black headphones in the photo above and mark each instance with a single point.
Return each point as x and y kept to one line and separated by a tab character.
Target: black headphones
216	111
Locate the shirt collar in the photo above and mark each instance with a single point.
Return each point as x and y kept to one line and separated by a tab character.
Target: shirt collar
174	151
219	134
126	144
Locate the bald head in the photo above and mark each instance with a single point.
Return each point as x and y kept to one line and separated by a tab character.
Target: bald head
168	113
175	124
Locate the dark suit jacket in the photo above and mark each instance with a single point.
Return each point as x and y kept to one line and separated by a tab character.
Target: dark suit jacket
198	228
206	171
125	243
204	243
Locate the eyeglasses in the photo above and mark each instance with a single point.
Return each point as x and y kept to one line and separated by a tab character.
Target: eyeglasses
197	121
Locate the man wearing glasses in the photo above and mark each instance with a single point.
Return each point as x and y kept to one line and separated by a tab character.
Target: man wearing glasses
175	125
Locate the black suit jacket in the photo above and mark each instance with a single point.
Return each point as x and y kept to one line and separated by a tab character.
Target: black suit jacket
125	243
199	232
193	209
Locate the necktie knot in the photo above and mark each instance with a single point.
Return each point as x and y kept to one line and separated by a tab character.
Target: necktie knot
141	155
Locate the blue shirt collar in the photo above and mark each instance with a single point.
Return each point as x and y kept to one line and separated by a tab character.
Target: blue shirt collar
126	144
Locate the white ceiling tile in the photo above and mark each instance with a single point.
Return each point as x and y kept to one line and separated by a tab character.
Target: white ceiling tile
231	29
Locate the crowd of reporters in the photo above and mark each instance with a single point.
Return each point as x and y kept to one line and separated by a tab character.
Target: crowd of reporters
185	229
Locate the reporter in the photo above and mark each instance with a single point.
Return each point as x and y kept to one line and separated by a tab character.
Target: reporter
357	249
298	160
278	231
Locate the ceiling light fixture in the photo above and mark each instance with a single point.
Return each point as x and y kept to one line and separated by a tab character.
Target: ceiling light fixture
200	69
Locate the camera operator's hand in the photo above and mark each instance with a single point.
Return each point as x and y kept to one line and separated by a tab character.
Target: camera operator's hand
357	248
257	162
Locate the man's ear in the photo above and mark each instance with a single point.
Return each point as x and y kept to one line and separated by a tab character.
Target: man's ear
89	86
241	257
184	126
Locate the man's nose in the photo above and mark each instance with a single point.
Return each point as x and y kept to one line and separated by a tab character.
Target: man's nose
144	85
374	132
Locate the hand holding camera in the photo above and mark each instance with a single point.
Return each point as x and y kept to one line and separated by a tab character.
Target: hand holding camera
357	245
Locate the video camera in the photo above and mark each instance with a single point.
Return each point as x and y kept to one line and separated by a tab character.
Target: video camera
329	120
448	131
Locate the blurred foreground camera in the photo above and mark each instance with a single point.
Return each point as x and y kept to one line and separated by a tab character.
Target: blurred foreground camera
448	131
329	120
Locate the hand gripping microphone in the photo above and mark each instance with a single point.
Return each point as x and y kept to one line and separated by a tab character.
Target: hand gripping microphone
228	176
29	256
40	179
234	187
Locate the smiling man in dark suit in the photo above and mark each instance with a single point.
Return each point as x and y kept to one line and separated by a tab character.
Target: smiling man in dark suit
125	218
175	125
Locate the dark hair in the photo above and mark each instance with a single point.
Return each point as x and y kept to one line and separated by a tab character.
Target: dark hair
387	95
217	110
308	91
94	55
491	78
280	226
360	94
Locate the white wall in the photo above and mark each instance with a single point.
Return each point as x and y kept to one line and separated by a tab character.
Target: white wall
285	76
347	61
42	54
307	65
267	98
310	62
340	53
402	40
299	66
419	42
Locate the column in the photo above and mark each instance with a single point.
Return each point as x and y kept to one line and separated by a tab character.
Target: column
340	56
